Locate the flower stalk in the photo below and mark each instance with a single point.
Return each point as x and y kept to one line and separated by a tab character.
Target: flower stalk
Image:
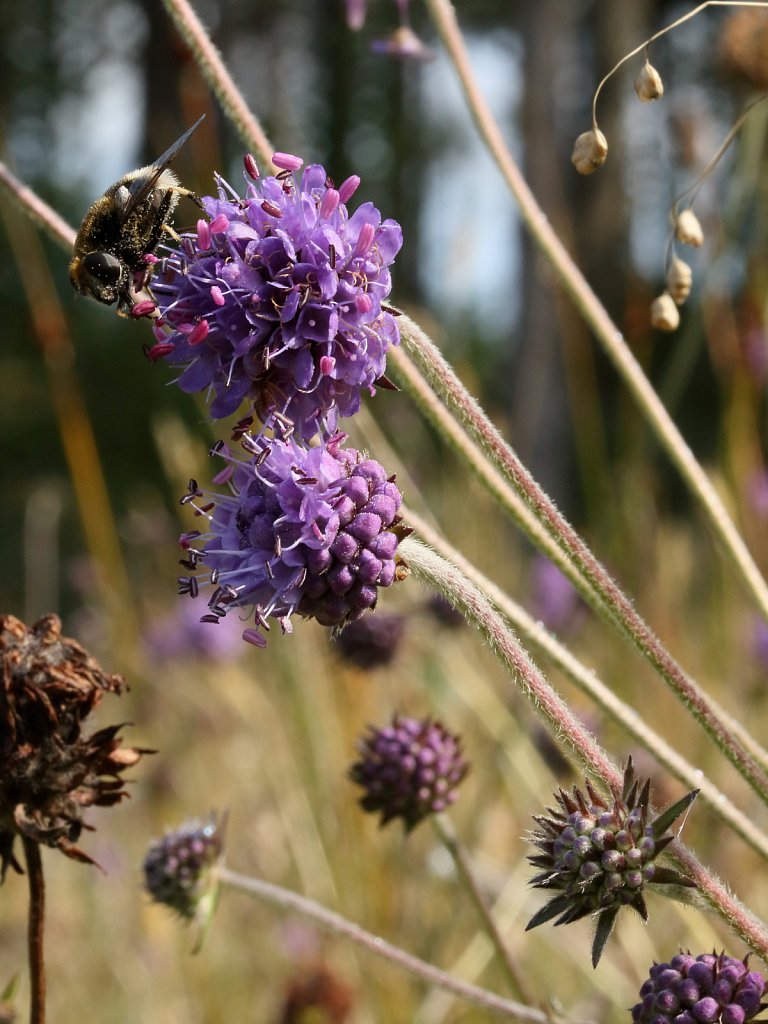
35	930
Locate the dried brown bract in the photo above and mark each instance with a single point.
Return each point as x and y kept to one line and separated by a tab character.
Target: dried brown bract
589	151
50	772
648	84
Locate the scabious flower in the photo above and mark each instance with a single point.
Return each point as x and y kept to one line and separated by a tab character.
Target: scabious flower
178	867
708	989
313	531
409	769
50	772
277	298
599	856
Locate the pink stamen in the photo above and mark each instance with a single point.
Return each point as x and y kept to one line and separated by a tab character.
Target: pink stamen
287	161
253	636
200	333
143	309
224	475
348	188
330	203
203	235
327	365
364	239
217	295
162	348
219	224
363	302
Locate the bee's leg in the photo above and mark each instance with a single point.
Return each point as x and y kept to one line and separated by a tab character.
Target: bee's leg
187	193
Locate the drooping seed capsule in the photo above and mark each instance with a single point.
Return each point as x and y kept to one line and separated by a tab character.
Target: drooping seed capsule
688	230
679	280
648	84
589	151
664	313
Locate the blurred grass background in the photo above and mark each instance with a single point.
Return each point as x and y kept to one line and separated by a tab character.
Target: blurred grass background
97	448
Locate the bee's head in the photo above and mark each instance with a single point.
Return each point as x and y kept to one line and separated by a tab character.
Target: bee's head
100	275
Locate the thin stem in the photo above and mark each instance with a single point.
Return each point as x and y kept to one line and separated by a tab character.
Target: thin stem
219	79
285	899
444	577
35	932
37	209
447	834
658	35
588	682
603	592
595	315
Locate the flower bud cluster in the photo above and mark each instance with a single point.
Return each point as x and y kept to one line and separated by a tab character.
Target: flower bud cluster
599	855
707	989
177	868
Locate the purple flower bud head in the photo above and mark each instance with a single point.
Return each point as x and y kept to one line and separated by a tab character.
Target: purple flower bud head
312	531
177	868
712	989
597	855
409	769
371	641
277	299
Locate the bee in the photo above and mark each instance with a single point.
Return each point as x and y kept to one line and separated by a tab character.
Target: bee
122	228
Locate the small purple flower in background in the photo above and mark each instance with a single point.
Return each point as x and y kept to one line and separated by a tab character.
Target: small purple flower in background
757	492
403	43
277	298
372	641
599	855
555	601
409	769
312	531
181	634
707	989
177	868
355	13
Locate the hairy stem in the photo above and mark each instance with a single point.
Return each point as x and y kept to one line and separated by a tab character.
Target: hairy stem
285	899
221	82
35	931
602	590
444	577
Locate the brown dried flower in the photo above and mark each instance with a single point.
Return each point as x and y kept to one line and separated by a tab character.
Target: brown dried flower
315	994
50	773
589	151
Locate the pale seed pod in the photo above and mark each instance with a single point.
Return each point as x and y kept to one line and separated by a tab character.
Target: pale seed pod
688	230
589	151
679	280
648	84
664	313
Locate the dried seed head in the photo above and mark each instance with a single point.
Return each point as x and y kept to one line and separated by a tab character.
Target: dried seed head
589	151
664	313
679	280
648	84
688	230
50	771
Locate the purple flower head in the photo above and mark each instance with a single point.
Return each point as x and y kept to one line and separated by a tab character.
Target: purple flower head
372	641
277	298
710	989
177	868
312	531
409	769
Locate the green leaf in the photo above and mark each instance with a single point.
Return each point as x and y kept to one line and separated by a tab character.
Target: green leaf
662	823
605	923
548	911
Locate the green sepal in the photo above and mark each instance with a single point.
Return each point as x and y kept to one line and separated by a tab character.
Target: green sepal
664	820
605	923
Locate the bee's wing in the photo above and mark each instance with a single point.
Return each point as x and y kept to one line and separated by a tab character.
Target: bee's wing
141	186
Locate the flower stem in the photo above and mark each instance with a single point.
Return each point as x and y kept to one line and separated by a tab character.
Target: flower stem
285	899
447	834
588	682
35	931
221	82
444	577
596	316
601	591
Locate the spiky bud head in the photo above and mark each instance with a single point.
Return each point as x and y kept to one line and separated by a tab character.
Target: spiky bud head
708	989
371	641
665	315
679	280
599	854
409	769
688	229
648	84
589	151
178	867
